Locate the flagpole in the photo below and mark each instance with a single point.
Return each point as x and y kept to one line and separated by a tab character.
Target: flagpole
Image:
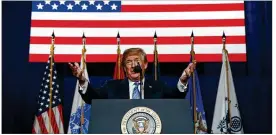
192	52
51	79
119	57
155	56
83	69
227	79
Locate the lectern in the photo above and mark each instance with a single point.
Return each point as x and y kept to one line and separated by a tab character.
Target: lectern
117	116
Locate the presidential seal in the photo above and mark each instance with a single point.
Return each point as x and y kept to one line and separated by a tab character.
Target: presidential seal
141	120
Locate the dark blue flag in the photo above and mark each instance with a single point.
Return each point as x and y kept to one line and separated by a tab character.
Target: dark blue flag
200	125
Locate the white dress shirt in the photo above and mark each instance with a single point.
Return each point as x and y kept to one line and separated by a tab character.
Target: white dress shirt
181	87
131	88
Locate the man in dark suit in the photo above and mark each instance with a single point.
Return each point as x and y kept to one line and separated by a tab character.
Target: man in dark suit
129	88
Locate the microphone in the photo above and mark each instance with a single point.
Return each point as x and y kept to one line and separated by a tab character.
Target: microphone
137	69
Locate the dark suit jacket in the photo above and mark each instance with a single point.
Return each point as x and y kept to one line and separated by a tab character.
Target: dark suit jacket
119	89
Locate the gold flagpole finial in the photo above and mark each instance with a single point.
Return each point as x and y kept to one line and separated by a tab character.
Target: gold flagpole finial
192	37
118	43
84	42
52	44
192	52
83	38
223	40
118	37
53	35
83	51
155	37
155	41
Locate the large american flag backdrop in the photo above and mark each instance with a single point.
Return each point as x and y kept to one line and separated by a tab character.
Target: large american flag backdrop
137	21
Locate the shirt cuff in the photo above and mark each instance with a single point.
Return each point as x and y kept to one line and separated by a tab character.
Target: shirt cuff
181	87
83	87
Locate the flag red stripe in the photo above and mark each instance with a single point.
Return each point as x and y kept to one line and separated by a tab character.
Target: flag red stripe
183	7
117	70
33	131
60	113
41	123
137	23
138	40
53	121
162	58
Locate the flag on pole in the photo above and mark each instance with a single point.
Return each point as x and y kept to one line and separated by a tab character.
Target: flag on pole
42	123
118	70
221	119
156	66
194	96
200	125
80	112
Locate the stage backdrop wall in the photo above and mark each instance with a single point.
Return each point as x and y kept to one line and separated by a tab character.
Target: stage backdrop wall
21	80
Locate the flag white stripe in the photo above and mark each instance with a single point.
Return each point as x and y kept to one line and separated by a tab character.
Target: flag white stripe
45	118
162	49
139	15
138	32
58	119
125	2
36	126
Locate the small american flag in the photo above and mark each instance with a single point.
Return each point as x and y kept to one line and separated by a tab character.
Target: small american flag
42	124
137	21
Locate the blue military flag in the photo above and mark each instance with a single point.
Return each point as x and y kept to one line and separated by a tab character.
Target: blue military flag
200	124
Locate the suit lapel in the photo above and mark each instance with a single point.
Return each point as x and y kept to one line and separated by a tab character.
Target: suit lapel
124	89
148	89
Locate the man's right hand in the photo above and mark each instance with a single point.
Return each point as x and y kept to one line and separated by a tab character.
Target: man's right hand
77	72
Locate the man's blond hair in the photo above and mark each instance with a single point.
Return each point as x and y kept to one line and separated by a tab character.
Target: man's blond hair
134	51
